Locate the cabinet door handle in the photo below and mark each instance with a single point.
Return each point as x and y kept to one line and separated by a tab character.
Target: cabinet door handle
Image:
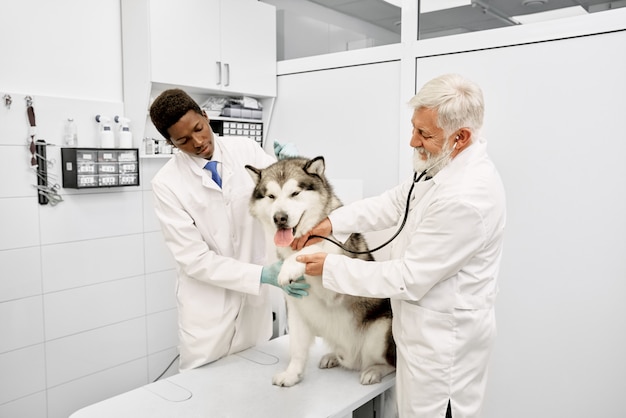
227	66
219	72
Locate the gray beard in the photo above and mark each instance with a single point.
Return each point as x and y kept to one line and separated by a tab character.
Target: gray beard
434	162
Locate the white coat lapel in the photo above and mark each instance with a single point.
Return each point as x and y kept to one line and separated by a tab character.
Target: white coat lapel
196	165
420	189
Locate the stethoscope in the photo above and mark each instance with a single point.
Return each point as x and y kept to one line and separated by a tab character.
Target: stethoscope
416	179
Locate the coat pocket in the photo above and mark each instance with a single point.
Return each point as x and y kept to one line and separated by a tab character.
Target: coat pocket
428	336
200	305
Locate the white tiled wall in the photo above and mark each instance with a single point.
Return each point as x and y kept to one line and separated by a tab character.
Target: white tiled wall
28	406
19	222
26	324
94	215
64	399
103	304
23	372
87	307
24	278
93	261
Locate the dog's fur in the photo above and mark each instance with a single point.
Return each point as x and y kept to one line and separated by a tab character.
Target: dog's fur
294	195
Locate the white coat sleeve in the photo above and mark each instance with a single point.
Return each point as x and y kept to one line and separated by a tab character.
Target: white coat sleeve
371	214
192	254
450	233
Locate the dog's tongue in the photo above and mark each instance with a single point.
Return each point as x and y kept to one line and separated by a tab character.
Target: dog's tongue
283	237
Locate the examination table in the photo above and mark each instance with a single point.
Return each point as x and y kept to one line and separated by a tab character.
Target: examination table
240	385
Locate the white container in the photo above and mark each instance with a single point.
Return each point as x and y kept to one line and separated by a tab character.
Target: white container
107	139
70	138
148	146
126	137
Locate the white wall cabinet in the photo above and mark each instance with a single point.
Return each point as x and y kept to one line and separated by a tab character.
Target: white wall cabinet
248	47
184	42
222	47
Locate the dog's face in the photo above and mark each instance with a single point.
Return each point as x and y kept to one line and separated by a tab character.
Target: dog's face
289	196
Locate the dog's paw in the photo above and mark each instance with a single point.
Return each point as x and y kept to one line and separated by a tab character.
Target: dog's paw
375	373
286	379
329	360
290	271
370	376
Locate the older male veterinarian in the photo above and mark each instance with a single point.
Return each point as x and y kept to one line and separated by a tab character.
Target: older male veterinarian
442	273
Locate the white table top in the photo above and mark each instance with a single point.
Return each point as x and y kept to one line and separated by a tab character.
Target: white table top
240	385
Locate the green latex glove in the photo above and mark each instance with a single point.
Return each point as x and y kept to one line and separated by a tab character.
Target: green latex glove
285	151
269	275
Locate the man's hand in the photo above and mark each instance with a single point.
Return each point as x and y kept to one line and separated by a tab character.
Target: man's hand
314	263
323	229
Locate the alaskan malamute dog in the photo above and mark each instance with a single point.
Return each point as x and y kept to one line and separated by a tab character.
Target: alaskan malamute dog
292	196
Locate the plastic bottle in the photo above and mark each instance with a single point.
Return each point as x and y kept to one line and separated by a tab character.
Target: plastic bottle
126	136
149	146
107	138
71	133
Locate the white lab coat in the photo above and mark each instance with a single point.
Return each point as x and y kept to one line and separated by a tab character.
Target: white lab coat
441	277
219	249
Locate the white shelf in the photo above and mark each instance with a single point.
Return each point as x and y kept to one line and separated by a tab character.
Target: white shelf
231	119
156	156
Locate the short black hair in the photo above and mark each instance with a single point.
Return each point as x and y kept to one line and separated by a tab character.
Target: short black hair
169	107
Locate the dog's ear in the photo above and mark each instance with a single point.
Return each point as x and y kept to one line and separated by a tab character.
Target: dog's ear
255	173
315	166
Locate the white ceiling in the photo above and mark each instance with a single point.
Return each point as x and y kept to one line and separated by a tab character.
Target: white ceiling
474	16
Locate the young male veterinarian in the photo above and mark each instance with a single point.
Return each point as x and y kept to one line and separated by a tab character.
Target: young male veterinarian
201	200
441	276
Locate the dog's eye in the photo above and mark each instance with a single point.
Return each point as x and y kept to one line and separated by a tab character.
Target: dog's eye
294	194
271	196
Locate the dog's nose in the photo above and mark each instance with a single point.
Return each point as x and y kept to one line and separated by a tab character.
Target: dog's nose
281	219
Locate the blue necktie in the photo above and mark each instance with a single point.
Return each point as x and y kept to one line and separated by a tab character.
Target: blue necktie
212	167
